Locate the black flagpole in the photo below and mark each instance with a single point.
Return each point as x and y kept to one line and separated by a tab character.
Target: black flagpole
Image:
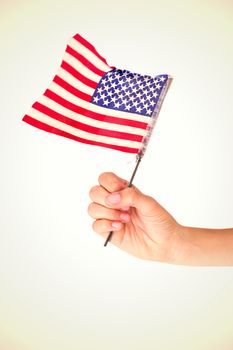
129	185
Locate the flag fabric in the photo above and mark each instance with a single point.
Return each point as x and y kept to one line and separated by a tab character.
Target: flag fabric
91	102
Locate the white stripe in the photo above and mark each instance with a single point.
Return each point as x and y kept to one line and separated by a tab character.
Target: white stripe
102	110
79	133
70	79
89	121
95	60
76	64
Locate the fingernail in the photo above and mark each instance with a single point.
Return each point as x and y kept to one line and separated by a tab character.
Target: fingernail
113	198
125	217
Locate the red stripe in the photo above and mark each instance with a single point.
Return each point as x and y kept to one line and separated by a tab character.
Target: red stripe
90	114
84	61
72	89
67	67
85	127
56	131
90	47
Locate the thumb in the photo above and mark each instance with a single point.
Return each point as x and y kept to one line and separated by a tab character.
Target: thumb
132	197
161	223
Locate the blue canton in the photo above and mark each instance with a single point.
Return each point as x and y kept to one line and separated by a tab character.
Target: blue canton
129	92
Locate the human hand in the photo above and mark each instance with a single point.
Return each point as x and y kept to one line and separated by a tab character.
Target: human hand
141	226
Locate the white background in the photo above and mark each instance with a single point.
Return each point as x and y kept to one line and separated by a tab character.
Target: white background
59	287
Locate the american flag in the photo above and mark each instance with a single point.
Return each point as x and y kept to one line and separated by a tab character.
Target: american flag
91	102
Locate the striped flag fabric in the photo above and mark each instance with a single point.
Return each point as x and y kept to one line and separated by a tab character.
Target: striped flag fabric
91	102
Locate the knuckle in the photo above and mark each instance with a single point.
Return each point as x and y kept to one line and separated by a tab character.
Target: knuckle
130	196
104	177
115	185
111	181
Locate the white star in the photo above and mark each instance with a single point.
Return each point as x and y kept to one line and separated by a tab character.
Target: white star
117	90
100	89
158	86
117	105
131	97
162	79
96	99
114	85
127	107
127	93
131	84
139	94
138	109
114	99
125	73
106	103
121	82
153	88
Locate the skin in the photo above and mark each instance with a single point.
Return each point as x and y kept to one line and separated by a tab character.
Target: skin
143	228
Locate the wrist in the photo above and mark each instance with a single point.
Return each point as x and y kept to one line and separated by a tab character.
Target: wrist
202	247
185	249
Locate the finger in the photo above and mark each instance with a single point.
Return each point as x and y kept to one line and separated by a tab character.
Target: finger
111	182
98	194
104	226
97	211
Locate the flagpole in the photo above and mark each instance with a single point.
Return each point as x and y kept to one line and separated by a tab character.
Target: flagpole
139	158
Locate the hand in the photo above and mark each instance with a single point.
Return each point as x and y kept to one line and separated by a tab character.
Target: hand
146	230
141	226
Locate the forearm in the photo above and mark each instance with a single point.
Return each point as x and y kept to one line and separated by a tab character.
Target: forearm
204	247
